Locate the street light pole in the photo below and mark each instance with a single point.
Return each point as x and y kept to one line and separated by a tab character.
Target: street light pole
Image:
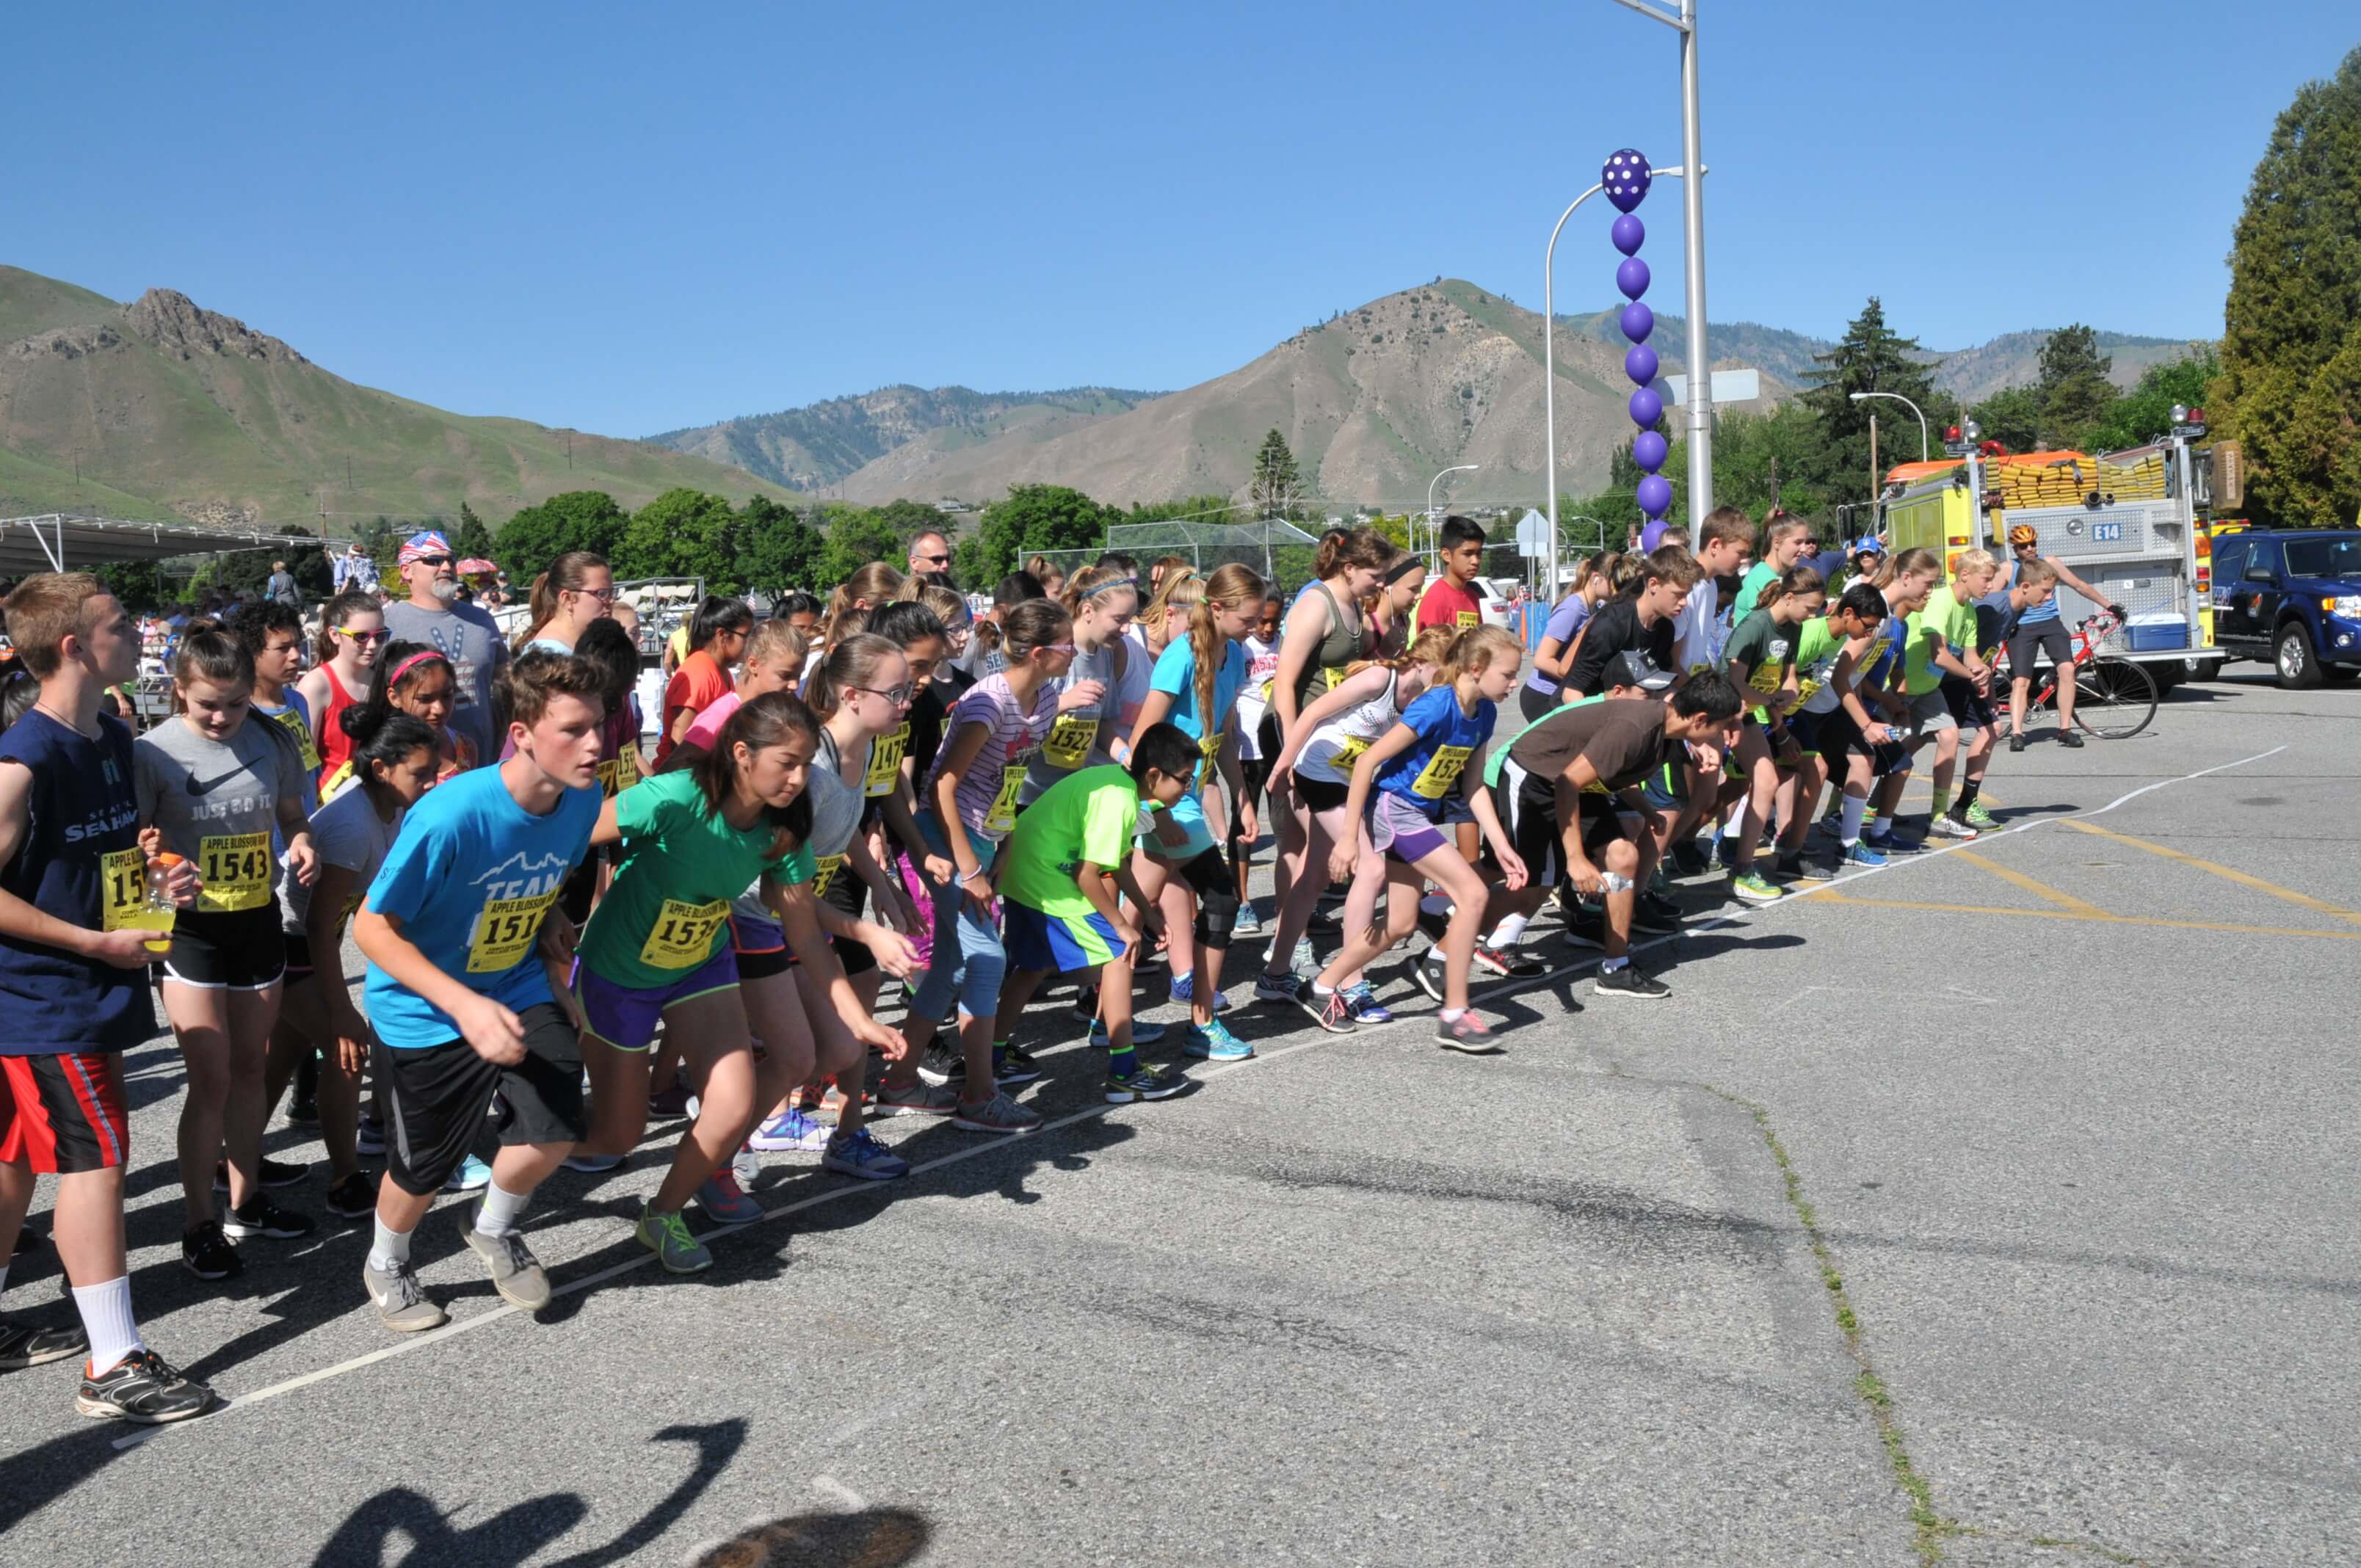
1462	468
1924	449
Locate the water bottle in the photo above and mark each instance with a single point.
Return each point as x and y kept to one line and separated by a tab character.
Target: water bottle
159	912
1614	882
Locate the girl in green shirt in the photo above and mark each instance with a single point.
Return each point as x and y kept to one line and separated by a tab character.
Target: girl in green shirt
1771	764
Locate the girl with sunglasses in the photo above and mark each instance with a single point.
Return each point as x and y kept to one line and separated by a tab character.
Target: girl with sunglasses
352	635
412	678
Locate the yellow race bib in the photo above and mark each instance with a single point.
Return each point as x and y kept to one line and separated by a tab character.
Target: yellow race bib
1002	816
608	770
1210	747
683	937
1332	675
886	761
293	722
824	871
506	931
1440	772
1347	754
237	871
1466	620
125	873
1070	741
628	769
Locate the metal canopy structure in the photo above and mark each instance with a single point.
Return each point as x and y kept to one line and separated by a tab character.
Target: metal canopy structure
58	541
1208	544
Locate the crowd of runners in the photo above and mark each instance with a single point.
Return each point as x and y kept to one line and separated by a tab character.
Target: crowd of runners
577	917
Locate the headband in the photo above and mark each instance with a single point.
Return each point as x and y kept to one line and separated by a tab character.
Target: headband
409	664
1403	568
1131	583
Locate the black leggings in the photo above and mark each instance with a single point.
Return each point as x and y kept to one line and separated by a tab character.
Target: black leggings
1210	878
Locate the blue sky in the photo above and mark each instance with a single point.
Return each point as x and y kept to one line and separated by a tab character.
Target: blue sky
631	218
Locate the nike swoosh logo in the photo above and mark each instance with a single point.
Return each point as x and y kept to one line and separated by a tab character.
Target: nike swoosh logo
211	785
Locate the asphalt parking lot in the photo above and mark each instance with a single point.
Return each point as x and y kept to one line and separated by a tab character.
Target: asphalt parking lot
1996	1206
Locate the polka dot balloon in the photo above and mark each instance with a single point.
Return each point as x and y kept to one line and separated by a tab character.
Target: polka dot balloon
1624	177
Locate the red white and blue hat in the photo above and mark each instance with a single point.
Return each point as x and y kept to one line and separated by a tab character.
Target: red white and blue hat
418	546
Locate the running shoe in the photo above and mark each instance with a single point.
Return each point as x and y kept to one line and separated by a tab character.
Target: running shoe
1214	1042
1086	1004
261	1217
516	1274
1585	926
1277	985
915	1100
746	1165
2016	743
939	1063
2068	738
206	1252
1980	819
1362	1003
1331	1012
1805	868
303	1112
1143	1033
1142	1083
142	1389
400	1301
673	1104
1631	984
1860	854
1184	989
35	1344
593	1164
1657	915
997	1114
1465	1033
1014	1063
1303	960
1688	859
275	1174
1751	886
668	1236
791	1129
473	1176
1248	924
859	1154
723	1201
369	1139
1950	826
1428	972
354	1198
1513	962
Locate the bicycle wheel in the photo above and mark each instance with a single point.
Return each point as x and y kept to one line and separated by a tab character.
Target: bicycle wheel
2114	698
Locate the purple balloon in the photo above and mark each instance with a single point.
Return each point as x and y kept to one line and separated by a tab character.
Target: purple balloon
1637	322
1640	363
1624	177
1649	450
1628	234
1647	407
1632	278
1654	494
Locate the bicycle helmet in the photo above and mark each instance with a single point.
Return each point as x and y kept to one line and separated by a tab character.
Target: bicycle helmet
2023	533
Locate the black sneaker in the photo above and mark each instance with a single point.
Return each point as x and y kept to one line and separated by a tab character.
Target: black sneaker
1655	916
141	1388
275	1174
261	1217
31	1344
1514	962
1585	926
1331	1012
1690	860
1086	1004
206	1252
1630	984
303	1112
2016	743
354	1198
1427	970
2068	738
1015	1064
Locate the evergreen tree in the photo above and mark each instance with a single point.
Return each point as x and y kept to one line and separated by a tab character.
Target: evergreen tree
2291	336
1871	357
1275	481
471	538
2074	390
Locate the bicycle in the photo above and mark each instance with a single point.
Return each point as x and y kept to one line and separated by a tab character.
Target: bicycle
2114	698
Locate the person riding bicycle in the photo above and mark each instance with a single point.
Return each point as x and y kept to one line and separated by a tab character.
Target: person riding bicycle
2039	630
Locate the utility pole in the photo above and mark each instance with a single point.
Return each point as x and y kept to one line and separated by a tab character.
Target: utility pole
1873	463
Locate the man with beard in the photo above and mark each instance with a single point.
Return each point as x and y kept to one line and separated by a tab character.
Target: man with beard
463	633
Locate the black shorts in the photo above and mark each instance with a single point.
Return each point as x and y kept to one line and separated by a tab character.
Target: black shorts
1535	705
299	955
434	1099
234	950
1969	709
1529	813
848	895
1319	794
2044	636
1841	738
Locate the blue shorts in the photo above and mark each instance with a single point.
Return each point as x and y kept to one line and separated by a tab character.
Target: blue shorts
625	1016
1401	829
1061	944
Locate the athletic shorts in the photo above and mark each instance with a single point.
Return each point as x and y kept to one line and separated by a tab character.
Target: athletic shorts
64	1113
1931	711
849	896
434	1099
1529	812
1969	709
241	949
625	1016
1401	829
299	955
2043	636
760	948
1806	728
1535	705
1841	738
1061	944
1319	794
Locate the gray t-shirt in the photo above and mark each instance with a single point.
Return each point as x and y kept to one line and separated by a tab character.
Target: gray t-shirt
345	832
466	635
1081	736
217	803
837	808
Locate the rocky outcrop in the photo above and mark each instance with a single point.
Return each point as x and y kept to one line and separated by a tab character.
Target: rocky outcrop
180	327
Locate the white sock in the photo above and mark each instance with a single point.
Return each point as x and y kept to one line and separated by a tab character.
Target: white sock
106	1318
1510	931
1320	990
1879	830
389	1249
1735	820
1611	966
498	1215
1451	1014
1849	833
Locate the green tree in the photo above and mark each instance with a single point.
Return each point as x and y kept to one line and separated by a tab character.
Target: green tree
1275	483
137	584
471	538
857	536
1031	517
683	532
2292	321
380	541
909	519
1871	357
2074	390
2144	412
577	519
2011	416
779	550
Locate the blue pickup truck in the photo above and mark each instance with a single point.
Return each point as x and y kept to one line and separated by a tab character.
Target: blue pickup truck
2291	595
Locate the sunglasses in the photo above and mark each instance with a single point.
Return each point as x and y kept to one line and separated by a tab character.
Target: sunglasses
364	637
897	695
936	560
430	560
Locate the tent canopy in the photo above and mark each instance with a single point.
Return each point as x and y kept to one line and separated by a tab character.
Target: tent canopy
58	542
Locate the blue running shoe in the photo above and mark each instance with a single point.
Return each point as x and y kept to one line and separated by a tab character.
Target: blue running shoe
1184	989
1215	1043
1143	1033
1862	855
1361	1002
791	1129
472	1176
859	1154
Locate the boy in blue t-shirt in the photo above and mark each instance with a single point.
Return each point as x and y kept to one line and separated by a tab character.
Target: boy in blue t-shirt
455	929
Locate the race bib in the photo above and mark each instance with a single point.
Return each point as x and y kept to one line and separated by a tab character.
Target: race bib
824	871
1334	675
1210	746
886	761
237	871
1070	741
1347	754
125	873
683	937
1440	771
628	770
1465	618
506	931
1002	816
293	722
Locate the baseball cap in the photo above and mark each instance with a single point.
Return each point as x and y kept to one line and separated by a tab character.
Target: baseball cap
1635	669
420	545
1867	543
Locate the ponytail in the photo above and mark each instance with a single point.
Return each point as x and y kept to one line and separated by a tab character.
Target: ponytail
1794	581
1475	651
876	583
1363	547
1232	585
566	574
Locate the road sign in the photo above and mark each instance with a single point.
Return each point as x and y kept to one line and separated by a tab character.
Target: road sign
1533	535
1728	387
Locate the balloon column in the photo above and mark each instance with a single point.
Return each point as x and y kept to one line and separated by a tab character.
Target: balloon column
1625	179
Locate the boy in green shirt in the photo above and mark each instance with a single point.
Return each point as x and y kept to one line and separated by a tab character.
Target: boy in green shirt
1063	864
1940	662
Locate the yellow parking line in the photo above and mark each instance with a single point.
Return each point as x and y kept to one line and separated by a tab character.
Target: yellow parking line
2042	890
2241	878
2098	918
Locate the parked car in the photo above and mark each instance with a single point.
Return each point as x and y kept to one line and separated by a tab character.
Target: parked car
2291	595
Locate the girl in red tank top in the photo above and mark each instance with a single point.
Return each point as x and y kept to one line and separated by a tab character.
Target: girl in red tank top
352	634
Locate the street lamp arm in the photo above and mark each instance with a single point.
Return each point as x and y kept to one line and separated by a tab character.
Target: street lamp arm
1924	449
1678	24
